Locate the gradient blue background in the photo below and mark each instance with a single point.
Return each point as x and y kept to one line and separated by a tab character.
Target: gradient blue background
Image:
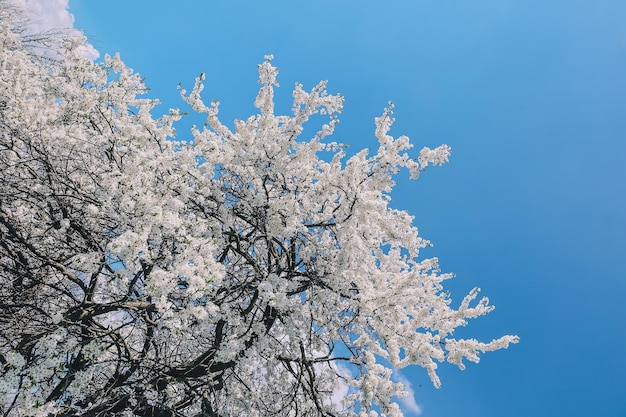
531	97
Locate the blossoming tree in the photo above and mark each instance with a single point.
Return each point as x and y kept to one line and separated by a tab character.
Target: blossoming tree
238	274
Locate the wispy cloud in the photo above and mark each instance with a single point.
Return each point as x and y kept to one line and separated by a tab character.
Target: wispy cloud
341	388
52	15
408	403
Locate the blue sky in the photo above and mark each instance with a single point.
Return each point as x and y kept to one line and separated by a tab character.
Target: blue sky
531	95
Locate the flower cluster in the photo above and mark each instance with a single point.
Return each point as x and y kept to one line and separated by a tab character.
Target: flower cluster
240	273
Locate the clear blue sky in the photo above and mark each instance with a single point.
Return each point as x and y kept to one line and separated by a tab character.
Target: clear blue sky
530	94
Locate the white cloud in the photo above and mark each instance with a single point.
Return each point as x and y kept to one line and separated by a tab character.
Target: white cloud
408	403
47	14
52	15
341	388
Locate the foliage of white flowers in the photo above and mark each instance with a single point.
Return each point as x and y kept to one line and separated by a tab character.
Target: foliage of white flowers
238	274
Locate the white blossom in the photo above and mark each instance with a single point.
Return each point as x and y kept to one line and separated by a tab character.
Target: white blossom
240	273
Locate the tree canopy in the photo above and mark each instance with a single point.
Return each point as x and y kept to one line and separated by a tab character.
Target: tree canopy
242	273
